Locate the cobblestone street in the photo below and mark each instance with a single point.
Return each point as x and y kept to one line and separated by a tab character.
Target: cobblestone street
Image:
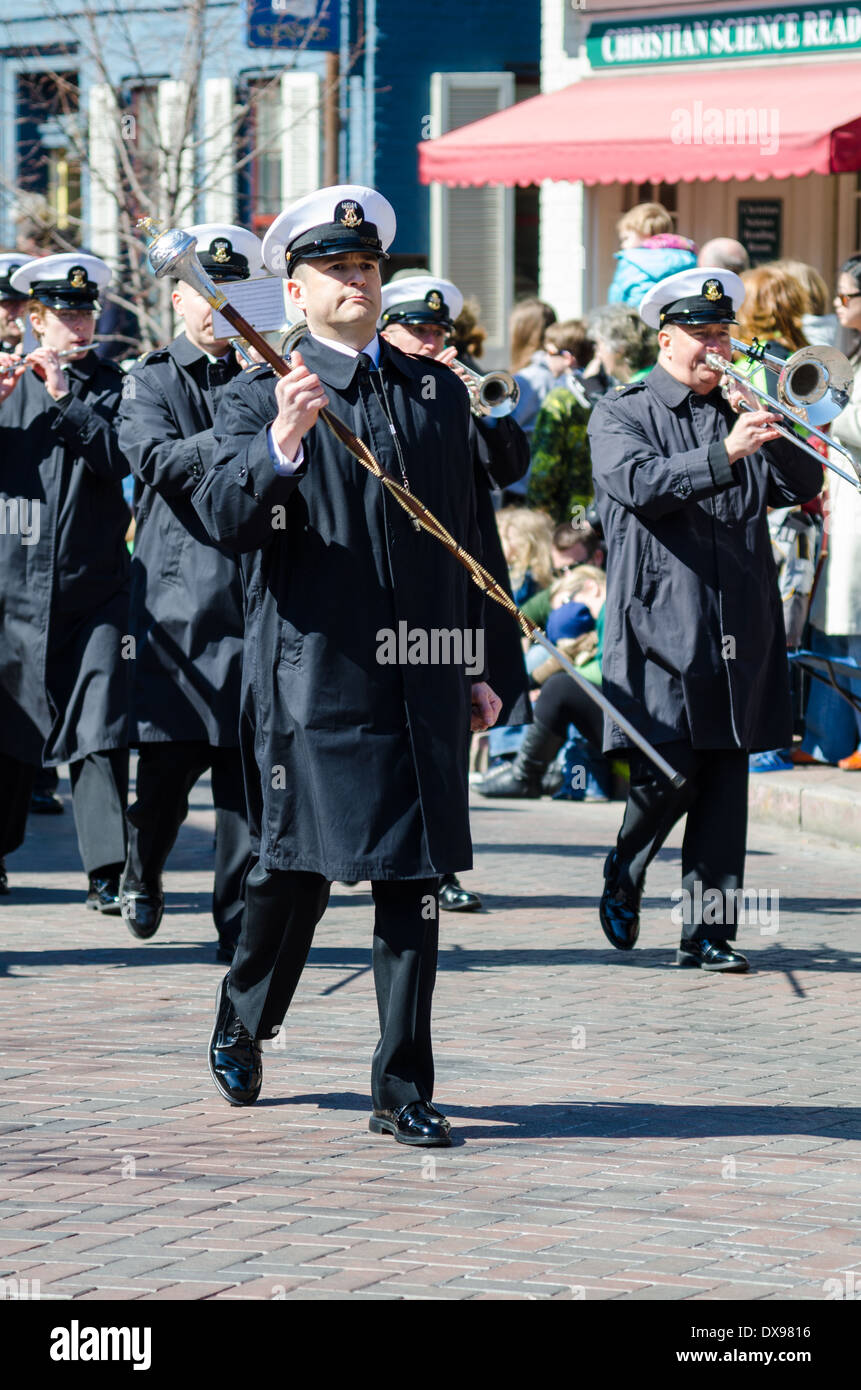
624	1129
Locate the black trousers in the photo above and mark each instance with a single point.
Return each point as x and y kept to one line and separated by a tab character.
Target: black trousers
563	702
282	910
100	790
16	788
713	850
165	776
100	784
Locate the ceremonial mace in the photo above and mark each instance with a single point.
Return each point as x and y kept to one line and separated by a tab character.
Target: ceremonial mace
174	253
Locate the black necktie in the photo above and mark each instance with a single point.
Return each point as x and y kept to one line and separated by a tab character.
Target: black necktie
366	363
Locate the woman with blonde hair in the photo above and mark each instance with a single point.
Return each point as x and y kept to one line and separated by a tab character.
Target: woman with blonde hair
526	538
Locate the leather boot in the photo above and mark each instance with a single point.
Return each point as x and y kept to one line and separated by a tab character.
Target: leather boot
523	777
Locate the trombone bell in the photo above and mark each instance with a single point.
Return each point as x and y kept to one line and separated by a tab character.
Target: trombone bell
816	383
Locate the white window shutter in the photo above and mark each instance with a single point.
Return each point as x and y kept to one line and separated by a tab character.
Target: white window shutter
177	149
103	211
472	229
300	137
219	201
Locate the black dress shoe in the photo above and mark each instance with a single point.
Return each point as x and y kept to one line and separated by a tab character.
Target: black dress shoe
46	804
712	955
104	895
142	908
453	897
5	890
235	1059
417	1123
619	909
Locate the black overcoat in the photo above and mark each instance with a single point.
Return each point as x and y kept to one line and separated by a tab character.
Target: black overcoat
360	765
501	457
186	594
694	644
63	599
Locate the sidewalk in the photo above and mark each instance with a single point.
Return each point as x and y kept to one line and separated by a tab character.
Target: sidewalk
625	1130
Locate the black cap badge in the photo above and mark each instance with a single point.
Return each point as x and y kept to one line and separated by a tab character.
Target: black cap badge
77	277
433	299
349	214
220	250
713	289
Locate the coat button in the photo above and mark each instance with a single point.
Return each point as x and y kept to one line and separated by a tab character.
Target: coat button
243	474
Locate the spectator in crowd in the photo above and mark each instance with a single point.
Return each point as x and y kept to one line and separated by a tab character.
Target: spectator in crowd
818	324
468	335
772	312
531	364
625	349
526	538
572	546
650	250
833	728
562	701
724	253
560	476
774	305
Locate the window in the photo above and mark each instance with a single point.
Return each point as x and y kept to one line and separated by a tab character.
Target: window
47	138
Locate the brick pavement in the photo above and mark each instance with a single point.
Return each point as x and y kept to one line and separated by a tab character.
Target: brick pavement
625	1130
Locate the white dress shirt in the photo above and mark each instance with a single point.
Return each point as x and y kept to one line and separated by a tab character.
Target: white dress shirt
280	462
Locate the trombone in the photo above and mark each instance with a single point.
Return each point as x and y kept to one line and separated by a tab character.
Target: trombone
814	385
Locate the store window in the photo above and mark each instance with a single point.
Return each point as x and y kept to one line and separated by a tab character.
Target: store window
47	143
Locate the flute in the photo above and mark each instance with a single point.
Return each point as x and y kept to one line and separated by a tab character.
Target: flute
63	355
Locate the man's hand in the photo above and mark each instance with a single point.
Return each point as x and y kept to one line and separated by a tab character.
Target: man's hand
300	398
8	383
49	369
486	705
752	429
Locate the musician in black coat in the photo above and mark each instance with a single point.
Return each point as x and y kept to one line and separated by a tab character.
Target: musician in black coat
418	314
186	605
363	662
694	645
64	570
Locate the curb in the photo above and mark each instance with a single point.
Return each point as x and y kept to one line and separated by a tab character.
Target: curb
817	800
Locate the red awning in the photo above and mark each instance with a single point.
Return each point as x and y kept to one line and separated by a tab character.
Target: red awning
740	123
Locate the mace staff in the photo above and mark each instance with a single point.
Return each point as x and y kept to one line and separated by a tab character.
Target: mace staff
174	253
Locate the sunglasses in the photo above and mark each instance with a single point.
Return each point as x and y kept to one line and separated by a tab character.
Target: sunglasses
845	298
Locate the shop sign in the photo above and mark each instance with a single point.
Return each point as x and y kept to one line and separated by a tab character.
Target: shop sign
760	228
768	33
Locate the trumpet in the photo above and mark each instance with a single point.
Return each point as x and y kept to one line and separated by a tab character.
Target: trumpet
495	395
64	355
814	385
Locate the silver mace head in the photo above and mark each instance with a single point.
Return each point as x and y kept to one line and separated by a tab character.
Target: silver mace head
174	253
